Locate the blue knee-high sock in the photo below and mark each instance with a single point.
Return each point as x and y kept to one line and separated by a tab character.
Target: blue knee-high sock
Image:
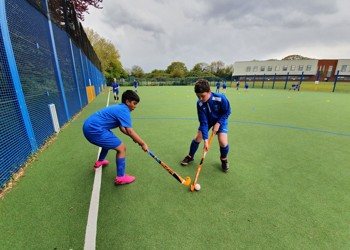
103	154
193	148
120	166
224	151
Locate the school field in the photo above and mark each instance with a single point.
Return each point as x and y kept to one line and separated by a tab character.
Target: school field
288	186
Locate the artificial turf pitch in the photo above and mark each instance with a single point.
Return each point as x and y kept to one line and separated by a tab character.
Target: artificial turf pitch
287	188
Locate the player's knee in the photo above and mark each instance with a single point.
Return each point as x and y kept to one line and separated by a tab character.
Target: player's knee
121	148
223	140
198	138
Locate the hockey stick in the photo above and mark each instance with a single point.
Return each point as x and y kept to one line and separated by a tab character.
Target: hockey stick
201	163
170	171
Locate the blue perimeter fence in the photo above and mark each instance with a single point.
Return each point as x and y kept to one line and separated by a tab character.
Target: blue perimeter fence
40	65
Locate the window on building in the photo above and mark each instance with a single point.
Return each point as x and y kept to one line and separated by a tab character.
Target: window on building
269	68
308	68
343	68
285	68
248	69
292	68
255	69
330	69
301	68
277	68
262	68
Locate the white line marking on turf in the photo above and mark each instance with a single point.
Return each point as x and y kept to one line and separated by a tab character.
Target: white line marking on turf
91	227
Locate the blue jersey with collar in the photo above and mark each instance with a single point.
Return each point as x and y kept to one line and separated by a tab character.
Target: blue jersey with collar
109	118
216	110
115	86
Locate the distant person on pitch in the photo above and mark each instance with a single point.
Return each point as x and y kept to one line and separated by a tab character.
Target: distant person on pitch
218	84
115	89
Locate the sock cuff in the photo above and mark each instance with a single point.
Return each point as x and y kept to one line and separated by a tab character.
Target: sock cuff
195	142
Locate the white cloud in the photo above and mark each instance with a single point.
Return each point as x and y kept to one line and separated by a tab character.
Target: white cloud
154	33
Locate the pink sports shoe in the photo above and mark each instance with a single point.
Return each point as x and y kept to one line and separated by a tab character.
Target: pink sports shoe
126	179
100	163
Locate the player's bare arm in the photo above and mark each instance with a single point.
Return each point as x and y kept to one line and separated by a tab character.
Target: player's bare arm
136	138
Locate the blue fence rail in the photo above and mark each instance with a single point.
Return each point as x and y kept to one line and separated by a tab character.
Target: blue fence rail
40	65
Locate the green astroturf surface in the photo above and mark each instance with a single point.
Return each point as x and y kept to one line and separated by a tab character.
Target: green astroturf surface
287	188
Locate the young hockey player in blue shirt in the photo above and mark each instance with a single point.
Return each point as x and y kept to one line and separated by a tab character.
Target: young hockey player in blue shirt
97	130
218	87
115	89
213	110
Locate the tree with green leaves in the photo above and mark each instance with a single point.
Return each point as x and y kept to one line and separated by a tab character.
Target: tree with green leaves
108	55
200	70
137	71
177	69
157	73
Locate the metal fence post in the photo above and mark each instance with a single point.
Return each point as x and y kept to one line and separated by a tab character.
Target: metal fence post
335	81
57	66
274	80
15	77
285	84
263	81
75	72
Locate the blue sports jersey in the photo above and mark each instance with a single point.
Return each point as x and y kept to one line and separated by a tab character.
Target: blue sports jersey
109	118
115	86
216	109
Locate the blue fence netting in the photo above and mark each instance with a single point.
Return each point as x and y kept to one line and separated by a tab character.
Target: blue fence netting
41	64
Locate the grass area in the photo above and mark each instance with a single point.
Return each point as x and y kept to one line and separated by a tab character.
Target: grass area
341	87
287	187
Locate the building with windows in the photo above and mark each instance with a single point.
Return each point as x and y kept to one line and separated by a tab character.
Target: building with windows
343	66
308	70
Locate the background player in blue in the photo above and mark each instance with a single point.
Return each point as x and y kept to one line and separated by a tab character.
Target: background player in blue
224	86
97	130
237	85
213	110
246	86
135	85
218	87
115	89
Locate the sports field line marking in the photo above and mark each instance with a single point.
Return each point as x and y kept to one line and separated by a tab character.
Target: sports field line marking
91	226
293	127
254	123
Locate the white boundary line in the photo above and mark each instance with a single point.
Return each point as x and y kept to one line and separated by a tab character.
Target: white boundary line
91	227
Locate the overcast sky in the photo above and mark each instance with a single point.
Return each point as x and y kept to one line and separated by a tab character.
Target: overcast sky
154	33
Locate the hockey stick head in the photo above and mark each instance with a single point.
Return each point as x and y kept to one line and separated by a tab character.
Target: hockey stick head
192	187
187	181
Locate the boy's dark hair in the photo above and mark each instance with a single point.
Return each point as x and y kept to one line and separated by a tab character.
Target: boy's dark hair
130	95
201	86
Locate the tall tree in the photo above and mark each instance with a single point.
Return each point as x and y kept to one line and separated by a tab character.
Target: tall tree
137	71
215	67
82	6
108	55
177	69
